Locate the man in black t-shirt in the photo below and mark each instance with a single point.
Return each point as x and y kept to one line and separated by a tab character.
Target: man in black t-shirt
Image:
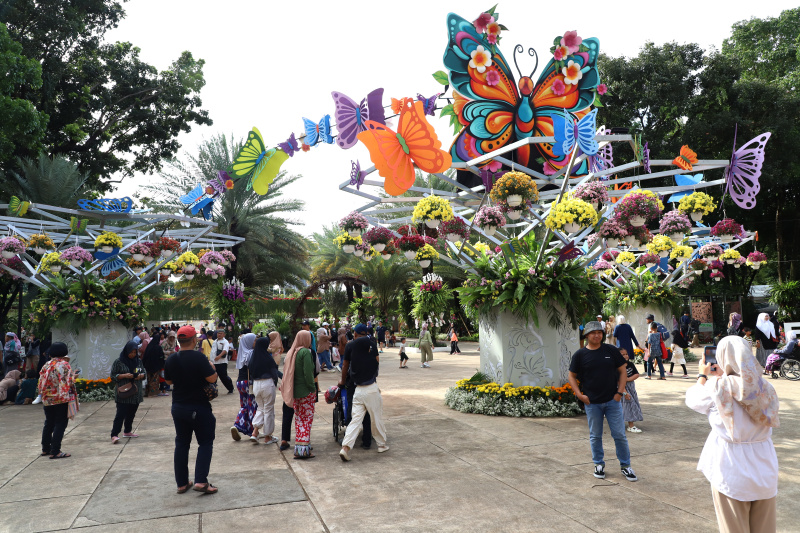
188	371
381	332
600	369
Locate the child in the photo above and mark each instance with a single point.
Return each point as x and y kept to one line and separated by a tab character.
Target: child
27	390
631	410
403	356
748	336
654	343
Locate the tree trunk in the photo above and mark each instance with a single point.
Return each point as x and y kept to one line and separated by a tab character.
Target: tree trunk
779	240
358	291
348	287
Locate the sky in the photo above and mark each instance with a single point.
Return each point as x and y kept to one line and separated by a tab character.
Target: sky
268	65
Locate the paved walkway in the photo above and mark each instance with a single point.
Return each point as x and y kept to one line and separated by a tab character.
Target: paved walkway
446	471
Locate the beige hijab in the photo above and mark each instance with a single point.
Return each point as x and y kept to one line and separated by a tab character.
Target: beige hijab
9	381
275	344
302	340
742	382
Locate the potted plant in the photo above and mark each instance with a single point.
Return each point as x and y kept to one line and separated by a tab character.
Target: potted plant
53	262
454	229
675	224
212	259
369	254
610	255
40	243
188	261
425	255
726	229
649	260
730	256
515	213
166	247
489	218
717	265
626	259
638	207
595	193
76	256
681	253
717	276
215	271
227	257
168	268
136	266
570	215
739	262
432	210
11	246
697	266
361	248
409	244
378	237
612	230
513	188
107	241
710	252
638	236
188	275
140	250
388	251
756	259
661	245
354	223
346	241
697	205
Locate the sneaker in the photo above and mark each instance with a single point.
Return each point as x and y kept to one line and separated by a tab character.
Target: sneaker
114	440
37	400
337	369
629	474
382	449
426	365
130	435
669	373
600	471
634	429
685	376
344	454
423	365
235	433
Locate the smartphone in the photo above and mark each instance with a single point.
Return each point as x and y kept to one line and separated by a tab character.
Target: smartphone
710	353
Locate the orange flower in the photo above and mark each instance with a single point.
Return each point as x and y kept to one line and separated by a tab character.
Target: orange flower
229	184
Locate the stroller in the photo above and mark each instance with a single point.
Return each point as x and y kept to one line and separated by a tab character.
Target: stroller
334	395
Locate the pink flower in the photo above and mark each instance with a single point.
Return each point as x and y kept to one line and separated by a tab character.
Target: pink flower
559	87
561	52
602	89
494	166
492	38
492	77
572	41
483	20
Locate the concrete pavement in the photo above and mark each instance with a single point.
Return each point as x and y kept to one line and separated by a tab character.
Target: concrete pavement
446	471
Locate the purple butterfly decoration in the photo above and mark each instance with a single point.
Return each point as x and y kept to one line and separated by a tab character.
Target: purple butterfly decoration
218	183
290	146
429	104
570	251
604	158
351	117
646	157
356	175
742	174
489	178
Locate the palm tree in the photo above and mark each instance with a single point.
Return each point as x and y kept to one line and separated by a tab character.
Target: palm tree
51	181
387	279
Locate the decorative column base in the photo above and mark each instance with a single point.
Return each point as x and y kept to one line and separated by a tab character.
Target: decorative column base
94	349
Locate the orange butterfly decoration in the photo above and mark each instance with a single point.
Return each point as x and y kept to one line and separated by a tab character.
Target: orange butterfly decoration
397	105
619	187
686	159
394	154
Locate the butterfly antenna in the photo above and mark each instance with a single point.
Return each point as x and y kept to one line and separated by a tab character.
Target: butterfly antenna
531	52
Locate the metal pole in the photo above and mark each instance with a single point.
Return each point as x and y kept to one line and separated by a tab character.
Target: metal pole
19	311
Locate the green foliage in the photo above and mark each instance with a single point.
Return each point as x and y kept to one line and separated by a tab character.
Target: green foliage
335	301
52	181
641	291
786	296
429	304
263	307
361	309
223	308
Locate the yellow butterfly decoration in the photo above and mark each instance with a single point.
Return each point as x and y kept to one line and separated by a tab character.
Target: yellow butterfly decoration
17	207
258	162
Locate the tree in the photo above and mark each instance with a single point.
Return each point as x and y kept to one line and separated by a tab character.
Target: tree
51	181
109	111
335	300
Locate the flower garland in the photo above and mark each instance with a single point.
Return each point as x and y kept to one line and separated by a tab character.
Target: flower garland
432	208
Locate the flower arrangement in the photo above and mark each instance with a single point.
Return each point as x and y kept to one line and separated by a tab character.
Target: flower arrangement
649	259
169	265
726	229
136	266
14	263
431	283
378	235
233	290
11	246
407	229
602	264
426	253
661	244
76	255
710	251
681	253
756	258
41	241
432	208
640	234
362	248
490	216
626	258
214	271
674	222
514	187
477	395
717	276
187	258
108	239
641	291
369	253
697	202
389	250
571	211
410	243
717	265
698	265
739	262
730	256
166	247
610	255
141	249
354	222
593	192
639	206
613	229
227	257
212	259
454	229
345	239
52	261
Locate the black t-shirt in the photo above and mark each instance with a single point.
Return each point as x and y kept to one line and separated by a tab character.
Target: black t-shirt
363	357
188	370
630	368
381	331
598	372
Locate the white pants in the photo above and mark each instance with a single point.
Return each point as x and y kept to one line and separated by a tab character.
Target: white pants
366	399
264	391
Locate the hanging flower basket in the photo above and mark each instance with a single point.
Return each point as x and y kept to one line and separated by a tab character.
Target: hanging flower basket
432	210
140	250
661	245
354	223
362	249
227	257
11	246
166	247
649	260
455	229
107	241
696	205
756	259
489	218
595	193
410	244
681	253
726	229
347	242
215	271
612	231
188	276
638	207
213	260
188	261
378	237
40	243
675	224
52	262
730	256
571	211
710	252
717	276
739	262
626	258
426	253
76	256
513	188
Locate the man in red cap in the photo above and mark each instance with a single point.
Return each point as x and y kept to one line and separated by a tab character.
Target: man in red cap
189	372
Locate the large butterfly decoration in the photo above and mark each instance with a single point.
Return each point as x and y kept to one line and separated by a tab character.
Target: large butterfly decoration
681	180
397	104
488	177
351	116
498	113
111	262
78	225
642	152
113	205
604	158
741	176
256	161
621	187
429	104
687	159
318	132
197	200
17	207
290	146
356	174
569	251
568	131
394	154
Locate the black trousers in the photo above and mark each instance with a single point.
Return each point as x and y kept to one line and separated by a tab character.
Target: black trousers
11	394
672	365
198	420
125	414
454	347
222	374
286	422
366	425
55	423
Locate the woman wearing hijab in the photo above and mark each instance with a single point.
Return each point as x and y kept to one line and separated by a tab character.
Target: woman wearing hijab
144	342
623	333
55	387
153	362
247	401
9	386
126	369
299	391
734	324
765	337
170	345
774	360
425	346
738	458
275	346
264	373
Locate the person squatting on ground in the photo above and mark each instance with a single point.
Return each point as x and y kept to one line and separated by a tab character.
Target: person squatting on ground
190	373
127	369
247	401
56	383
219	354
264	373
631	410
738	458
299	391
601	369
425	346
361	364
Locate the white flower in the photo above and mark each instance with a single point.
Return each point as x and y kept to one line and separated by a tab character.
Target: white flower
481	58
572	73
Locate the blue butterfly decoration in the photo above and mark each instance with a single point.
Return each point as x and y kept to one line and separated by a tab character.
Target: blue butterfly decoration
198	201
680	179
113	205
112	261
567	132
316	133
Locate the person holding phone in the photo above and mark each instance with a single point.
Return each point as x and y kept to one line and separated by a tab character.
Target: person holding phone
738	458
127	369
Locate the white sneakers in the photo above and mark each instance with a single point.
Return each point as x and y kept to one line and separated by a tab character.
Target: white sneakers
634	429
344	454
37	400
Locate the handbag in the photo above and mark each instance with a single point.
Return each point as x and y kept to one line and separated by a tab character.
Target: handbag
126	390
663	350
210	391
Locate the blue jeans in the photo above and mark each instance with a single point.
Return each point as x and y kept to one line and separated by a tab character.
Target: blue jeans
613	412
650	367
325	359
197	419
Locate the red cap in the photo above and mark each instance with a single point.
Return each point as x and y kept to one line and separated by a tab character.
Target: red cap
187	332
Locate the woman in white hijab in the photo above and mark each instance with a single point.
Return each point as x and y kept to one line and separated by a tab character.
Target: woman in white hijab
738	458
766	338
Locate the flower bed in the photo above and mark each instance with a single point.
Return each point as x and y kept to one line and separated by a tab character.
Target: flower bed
94	390
475	396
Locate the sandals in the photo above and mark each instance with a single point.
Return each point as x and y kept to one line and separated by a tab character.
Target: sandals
61	455
205	488
183	489
284	446
44	453
309	456
254	439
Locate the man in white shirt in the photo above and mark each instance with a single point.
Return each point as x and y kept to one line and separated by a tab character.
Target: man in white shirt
219	355
602	322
